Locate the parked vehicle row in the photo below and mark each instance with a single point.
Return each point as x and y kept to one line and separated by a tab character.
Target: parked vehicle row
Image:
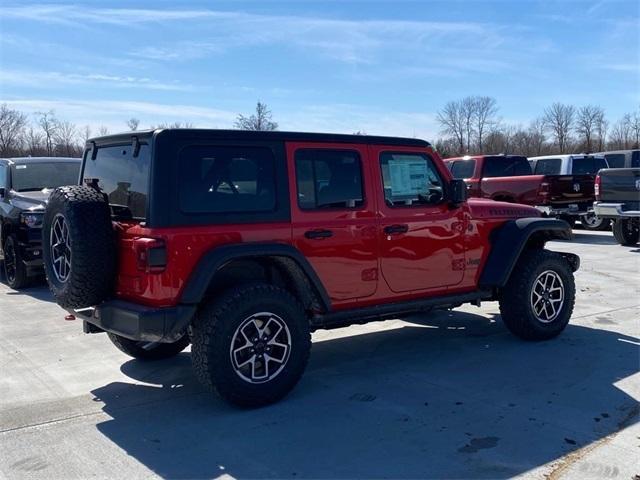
618	198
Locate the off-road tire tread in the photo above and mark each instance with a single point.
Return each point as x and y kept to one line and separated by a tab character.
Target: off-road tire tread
159	351
620	234
206	328
93	260
514	297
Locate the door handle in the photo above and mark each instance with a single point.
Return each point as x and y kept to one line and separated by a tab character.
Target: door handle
318	234
391	229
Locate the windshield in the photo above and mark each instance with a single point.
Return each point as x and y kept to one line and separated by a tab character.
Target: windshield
31	177
588	165
124	178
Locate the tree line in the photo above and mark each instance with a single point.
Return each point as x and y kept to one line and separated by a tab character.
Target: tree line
468	126
472	126
44	134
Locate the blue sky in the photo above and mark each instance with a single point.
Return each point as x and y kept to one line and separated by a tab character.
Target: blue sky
339	66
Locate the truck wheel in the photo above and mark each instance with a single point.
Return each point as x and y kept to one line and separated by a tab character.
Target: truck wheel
251	344
149	350
592	222
15	271
78	246
626	231
537	302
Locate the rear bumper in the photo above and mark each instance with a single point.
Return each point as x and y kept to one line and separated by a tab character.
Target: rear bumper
553	211
137	322
614	210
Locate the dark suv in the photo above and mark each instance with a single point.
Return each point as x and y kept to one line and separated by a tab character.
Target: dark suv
25	185
242	243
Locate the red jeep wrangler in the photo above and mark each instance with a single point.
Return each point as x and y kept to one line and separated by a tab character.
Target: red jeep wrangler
242	243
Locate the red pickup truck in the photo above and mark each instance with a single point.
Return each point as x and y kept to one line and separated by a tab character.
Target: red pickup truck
509	178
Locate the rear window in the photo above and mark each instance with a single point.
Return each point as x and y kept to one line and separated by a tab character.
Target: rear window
506	167
463	168
227	179
587	165
122	177
329	179
635	159
548	166
30	177
615	160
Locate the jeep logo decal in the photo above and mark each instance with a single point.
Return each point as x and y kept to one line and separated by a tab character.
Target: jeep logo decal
576	187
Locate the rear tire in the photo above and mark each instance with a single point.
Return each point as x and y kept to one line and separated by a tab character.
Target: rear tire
531	305
149	350
251	344
15	271
627	231
78	246
591	222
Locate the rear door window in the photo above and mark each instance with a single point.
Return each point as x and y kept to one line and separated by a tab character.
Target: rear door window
463	168
587	165
615	160
548	166
227	179
506	167
635	159
328	179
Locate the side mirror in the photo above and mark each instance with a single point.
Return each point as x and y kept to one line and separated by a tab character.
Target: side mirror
457	192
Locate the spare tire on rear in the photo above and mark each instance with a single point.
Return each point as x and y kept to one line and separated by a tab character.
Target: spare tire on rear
78	246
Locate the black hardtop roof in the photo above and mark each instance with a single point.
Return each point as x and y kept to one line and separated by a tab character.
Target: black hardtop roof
196	133
25	160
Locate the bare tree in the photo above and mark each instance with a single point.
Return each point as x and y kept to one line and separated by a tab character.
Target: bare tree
621	133
34	142
261	120
12	125
103	130
48	124
172	125
86	133
484	112
559	120
66	138
634	125
536	132
601	131
133	124
451	120
587	123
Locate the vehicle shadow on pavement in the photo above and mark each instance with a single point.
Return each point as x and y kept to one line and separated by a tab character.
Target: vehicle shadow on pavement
451	395
38	290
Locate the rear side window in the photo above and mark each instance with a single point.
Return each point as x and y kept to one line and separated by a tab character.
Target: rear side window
587	165
124	178
328	179
463	168
635	159
410	179
615	160
3	176
506	167
221	179
548	166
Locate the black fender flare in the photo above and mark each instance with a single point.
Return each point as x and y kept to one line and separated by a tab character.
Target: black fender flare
509	241
199	280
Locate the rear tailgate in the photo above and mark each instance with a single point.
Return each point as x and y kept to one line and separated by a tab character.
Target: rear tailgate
621	185
570	190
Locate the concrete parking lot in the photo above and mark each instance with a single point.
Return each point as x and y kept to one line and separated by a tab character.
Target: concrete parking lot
450	394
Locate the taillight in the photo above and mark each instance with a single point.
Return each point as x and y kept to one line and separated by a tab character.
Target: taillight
151	254
596	187
544	191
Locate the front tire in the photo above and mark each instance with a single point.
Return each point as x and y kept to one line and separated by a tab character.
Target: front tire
15	271
627	231
538	300
251	344
149	350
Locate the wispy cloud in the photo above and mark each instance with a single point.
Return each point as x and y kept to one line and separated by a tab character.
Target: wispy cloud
47	78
